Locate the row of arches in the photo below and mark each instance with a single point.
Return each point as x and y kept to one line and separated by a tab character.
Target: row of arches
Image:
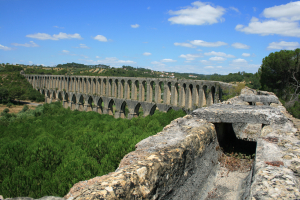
182	93
103	105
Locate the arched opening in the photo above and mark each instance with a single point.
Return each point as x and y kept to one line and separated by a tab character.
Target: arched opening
138	110
204	96
116	88
161	92
176	95
122	89
110	88
91	104
99	86
66	101
124	110
54	96
136	88
153	110
100	106
144	91
169	109
129	89
152	92
104	92
73	102
183	95
89	86
197	97
111	106
213	93
80	103
190	96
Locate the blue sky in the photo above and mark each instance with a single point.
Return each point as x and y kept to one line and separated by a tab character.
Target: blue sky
165	35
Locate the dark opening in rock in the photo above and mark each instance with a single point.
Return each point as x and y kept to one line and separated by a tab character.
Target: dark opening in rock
230	143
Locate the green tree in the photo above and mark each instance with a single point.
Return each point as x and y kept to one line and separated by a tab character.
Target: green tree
280	73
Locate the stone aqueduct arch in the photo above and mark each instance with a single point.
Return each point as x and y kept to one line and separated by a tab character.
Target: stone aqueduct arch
100	93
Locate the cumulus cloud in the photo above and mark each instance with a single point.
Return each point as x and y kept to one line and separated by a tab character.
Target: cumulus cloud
246	54
198	14
238	45
5	48
83	46
221	54
58	27
216	58
100	38
281	20
30	44
147	54
284	45
190	57
184	44
239	60
286	12
65	51
159	64
209	67
60	36
207	44
219	67
134	26
168	60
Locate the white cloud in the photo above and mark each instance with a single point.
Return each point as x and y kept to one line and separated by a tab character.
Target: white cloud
97	57
148	8
65	51
243	64
100	38
168	60
198	14
235	9
45	36
112	61
147	54
134	26
30	62
31	44
281	20
246	54
284	45
208	44
219	67
238	45
205	62
209	67
222	54
190	57
83	46
286	12
158	63
216	58
254	9
239	60
271	27
5	48
184	44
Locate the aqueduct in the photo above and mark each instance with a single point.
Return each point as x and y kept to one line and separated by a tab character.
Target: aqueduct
100	93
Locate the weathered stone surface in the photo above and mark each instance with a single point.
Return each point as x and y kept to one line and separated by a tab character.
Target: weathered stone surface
247	131
228	113
178	159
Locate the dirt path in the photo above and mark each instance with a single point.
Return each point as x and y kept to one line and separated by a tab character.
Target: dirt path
18	108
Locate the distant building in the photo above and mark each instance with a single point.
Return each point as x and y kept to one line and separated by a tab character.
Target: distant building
192	76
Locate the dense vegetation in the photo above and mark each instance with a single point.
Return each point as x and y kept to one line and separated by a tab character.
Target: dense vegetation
47	150
14	86
280	73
